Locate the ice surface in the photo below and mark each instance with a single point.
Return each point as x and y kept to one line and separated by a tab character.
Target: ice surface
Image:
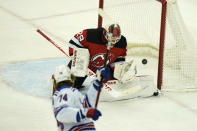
24	55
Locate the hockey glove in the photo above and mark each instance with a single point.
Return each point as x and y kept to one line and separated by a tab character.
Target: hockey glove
88	113
93	113
103	72
97	84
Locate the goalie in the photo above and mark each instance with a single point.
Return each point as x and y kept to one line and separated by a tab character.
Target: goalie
96	41
88	49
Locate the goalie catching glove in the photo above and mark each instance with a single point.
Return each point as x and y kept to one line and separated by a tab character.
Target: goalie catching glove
125	72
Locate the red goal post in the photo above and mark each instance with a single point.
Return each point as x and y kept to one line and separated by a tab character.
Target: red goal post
156	26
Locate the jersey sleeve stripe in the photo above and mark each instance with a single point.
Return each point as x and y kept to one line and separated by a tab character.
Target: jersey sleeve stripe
75	42
56	93
87	126
87	100
59	109
119	59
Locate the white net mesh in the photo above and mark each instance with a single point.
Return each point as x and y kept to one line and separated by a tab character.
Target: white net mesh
140	22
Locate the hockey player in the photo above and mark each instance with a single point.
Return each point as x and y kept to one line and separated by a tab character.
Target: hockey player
124	80
96	41
73	111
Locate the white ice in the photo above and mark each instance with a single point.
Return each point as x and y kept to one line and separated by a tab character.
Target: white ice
19	42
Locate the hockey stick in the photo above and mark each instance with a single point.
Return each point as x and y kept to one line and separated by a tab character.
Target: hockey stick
51	41
101	81
104	15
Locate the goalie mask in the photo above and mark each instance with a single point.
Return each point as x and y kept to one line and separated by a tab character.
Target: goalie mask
112	33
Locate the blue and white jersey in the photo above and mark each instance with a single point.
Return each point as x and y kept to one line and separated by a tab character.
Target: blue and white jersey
68	105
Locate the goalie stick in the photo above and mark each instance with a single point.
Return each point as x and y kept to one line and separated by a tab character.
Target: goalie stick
51	41
104	15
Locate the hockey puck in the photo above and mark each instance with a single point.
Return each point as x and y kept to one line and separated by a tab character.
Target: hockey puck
144	61
155	93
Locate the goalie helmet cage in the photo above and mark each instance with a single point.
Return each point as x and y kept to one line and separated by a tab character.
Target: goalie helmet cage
155	29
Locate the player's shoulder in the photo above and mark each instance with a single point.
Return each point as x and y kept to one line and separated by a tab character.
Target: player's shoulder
66	89
122	43
95	30
94	35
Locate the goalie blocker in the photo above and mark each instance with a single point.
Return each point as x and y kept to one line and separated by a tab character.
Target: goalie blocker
80	61
79	65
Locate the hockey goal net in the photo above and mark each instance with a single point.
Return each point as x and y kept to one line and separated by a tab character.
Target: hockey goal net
157	39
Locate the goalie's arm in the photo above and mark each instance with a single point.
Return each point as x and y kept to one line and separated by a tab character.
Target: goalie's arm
121	57
78	41
119	60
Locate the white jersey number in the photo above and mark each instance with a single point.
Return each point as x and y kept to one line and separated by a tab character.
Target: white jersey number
80	36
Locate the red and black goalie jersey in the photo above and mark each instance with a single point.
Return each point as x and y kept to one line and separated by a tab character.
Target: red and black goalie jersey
95	42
